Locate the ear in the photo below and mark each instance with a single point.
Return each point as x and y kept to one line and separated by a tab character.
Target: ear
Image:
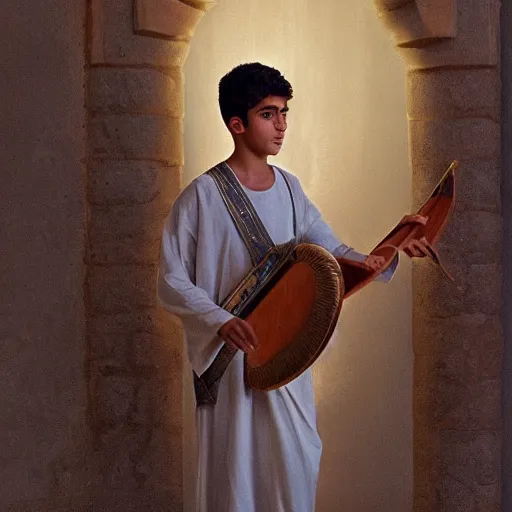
236	126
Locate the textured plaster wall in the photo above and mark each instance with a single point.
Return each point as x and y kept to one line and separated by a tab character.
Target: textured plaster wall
506	112
42	218
347	142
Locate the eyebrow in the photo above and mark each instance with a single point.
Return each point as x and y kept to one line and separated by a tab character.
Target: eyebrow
274	108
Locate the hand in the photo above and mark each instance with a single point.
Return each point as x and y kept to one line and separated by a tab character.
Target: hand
238	334
417	248
413	219
374	262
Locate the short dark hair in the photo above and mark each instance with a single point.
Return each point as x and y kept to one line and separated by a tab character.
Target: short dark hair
246	85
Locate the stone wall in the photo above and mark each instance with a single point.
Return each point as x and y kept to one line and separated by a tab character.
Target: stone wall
43	397
454	113
135	155
91	378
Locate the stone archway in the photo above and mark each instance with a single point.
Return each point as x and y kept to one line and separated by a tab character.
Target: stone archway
135	155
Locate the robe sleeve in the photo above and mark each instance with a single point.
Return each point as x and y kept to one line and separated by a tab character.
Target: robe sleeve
177	291
317	231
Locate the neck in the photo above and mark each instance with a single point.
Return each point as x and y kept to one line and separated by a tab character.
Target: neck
245	162
253	171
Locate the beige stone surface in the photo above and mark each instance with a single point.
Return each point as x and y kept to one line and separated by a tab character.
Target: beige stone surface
113	41
452	139
453	93
126	234
156	352
476	43
136	91
130	137
131	182
116	289
112	398
171	19
419	23
467	346
472	478
153	320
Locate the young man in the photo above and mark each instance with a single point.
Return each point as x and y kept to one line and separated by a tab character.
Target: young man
257	450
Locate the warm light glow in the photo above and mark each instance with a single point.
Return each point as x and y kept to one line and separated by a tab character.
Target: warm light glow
347	142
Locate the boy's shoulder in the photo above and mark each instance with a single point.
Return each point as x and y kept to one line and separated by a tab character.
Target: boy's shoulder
292	179
199	188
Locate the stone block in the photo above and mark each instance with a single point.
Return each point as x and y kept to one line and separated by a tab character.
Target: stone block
475	289
155	320
434	144
419	23
112	349
453	93
471	471
121	288
472	238
136	91
118	450
459	405
150	351
137	249
468	347
472	456
477	184
476	42
161	464
113	40
158	400
484	289
171	19
113	396
124	182
124	220
137	138
126	234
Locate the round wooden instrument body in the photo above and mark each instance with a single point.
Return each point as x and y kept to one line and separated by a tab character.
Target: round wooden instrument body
295	317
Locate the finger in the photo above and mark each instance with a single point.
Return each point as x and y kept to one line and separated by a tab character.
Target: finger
369	263
249	334
421	247
415	219
239	330
228	342
408	252
380	260
238	342
412	250
421	219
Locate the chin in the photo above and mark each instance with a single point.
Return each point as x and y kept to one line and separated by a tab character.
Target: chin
274	151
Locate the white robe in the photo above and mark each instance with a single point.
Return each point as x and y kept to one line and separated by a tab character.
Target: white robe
258	451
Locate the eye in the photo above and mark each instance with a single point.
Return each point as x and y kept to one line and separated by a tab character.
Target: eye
266	115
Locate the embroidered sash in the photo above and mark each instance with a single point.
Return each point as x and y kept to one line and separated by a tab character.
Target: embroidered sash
266	257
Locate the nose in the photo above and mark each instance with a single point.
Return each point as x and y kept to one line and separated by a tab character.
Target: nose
281	123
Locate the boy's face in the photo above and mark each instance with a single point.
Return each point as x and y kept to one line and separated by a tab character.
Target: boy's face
264	133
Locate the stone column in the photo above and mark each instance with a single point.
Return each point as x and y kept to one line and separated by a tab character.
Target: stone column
452	54
135	157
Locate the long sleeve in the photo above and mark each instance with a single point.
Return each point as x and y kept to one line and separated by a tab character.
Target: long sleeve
177	291
317	231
